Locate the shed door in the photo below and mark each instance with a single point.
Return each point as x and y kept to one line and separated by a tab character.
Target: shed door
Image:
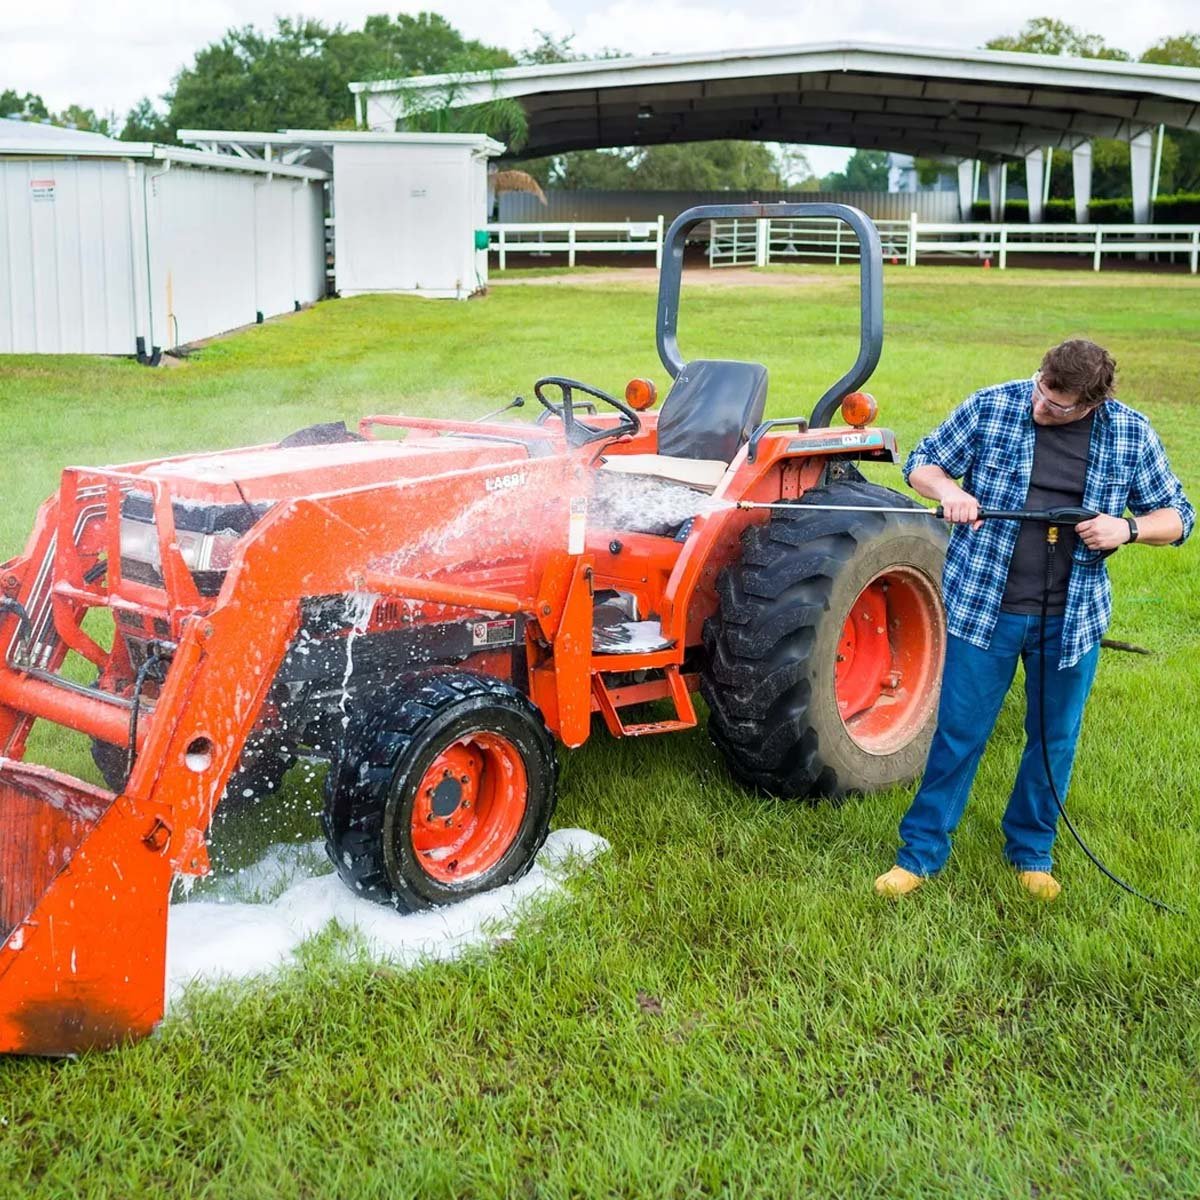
401	214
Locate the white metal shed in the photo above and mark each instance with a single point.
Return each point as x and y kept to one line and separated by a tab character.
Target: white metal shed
111	247
405	206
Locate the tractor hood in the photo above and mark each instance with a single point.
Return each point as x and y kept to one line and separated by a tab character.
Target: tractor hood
266	474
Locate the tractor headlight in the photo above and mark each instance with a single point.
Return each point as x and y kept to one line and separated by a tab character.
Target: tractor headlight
139	542
207	536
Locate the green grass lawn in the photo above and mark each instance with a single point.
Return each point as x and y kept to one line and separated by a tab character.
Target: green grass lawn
721	1007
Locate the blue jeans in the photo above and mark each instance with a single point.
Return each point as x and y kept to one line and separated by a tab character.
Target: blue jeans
974	685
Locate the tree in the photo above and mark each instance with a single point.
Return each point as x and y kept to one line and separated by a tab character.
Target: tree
867	171
27	106
689	166
1045	35
1182	51
144	123
707	166
298	74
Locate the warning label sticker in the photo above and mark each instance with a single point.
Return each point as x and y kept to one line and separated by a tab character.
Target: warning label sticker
41	191
494	633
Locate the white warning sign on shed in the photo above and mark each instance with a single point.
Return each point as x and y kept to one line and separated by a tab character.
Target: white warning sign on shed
41	191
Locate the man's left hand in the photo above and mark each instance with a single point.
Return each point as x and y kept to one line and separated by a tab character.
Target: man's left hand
1103	532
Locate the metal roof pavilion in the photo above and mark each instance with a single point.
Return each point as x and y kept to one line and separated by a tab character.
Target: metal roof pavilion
968	105
942	102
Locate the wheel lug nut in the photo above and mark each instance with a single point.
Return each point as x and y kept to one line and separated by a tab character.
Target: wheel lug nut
464	779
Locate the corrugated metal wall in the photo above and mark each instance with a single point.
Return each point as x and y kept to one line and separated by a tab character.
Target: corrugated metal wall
226	246
67	257
95	253
587	205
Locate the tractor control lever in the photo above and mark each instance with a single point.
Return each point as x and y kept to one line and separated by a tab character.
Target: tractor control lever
518	402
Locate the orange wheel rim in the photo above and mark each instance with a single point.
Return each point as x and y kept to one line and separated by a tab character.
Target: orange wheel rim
469	807
889	657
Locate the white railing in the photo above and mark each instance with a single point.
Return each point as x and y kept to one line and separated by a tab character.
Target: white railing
985	241
756	241
761	241
555	237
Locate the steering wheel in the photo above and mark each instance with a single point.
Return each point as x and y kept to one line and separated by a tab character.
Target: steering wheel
579	433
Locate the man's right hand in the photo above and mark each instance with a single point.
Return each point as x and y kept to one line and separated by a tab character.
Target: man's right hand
960	508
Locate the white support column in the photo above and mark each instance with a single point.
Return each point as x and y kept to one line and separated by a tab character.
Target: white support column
1141	150
1035	166
995	188
1081	178
966	187
1158	149
1049	169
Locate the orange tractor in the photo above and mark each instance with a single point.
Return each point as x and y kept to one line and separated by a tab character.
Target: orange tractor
428	605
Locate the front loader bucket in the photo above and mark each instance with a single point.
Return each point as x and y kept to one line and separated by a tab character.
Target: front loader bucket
84	888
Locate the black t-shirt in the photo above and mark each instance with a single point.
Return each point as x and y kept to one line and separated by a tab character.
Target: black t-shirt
1060	460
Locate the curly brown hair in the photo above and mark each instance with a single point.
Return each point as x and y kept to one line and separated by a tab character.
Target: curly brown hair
1080	368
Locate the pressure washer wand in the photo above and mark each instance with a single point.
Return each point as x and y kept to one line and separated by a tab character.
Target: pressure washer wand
1066	515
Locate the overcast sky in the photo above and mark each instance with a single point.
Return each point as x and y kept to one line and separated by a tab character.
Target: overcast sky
106	54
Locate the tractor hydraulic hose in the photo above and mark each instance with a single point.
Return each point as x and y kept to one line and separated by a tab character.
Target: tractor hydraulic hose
152	660
24	625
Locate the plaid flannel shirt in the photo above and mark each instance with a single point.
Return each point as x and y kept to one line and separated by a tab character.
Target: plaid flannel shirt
987	442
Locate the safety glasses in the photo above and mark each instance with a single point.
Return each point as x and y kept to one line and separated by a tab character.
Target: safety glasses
1039	393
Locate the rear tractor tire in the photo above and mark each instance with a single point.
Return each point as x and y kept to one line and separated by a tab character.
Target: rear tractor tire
824	658
442	791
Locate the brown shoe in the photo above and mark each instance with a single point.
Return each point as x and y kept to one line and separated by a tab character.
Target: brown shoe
897	882
1041	885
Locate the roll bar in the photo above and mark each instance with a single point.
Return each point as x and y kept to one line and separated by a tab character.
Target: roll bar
870	287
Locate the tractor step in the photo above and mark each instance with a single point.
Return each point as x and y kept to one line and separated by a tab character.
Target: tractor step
685	712
629	637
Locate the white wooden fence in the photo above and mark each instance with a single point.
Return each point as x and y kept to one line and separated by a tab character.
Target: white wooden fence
573	236
759	242
756	242
997	242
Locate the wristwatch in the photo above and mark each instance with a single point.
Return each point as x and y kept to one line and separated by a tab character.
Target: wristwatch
1133	530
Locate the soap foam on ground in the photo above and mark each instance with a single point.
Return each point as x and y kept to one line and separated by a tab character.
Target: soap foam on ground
231	937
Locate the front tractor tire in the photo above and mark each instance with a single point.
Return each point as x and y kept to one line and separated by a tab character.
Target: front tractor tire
824	657
443	790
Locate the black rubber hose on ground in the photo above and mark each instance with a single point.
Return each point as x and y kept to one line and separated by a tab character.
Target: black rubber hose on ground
1051	546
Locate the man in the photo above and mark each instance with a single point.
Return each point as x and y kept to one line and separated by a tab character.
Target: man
1056	439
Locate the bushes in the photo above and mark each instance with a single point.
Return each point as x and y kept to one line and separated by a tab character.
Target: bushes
1181	209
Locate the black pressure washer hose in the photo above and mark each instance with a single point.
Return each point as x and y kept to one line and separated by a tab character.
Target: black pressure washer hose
1053	518
1051	548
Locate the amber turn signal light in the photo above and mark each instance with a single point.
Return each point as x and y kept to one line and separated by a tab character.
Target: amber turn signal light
640	394
859	409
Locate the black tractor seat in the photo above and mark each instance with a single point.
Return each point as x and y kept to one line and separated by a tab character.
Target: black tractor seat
711	410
